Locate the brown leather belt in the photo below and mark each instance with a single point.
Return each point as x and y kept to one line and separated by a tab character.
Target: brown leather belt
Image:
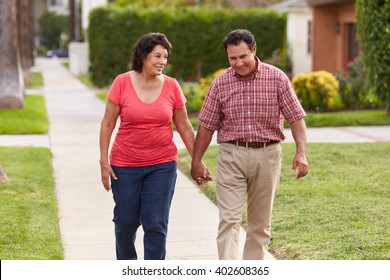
252	144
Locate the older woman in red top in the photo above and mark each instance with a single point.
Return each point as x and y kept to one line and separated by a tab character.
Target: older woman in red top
142	163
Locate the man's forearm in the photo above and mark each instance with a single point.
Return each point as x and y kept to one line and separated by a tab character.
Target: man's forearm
298	130
202	141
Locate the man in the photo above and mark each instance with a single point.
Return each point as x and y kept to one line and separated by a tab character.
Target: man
246	104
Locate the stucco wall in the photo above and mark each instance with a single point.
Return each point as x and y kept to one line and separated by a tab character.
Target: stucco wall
330	36
297	38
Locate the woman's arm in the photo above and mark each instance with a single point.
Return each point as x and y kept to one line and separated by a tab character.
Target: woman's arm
184	128
107	126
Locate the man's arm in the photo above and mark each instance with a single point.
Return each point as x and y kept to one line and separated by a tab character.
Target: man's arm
202	141
298	129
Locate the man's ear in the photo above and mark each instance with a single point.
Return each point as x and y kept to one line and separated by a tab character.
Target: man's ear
254	49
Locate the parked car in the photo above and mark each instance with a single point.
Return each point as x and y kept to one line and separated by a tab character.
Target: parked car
57	52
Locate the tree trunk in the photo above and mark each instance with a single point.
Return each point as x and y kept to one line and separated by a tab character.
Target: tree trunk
11	74
25	18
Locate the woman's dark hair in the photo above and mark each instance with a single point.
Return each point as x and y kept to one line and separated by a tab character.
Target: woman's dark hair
235	37
144	46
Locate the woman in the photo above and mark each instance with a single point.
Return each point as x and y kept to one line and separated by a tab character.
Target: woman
143	160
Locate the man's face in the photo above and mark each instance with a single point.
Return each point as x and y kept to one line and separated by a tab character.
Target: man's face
242	59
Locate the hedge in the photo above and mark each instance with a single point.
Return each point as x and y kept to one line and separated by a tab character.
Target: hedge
373	22
196	36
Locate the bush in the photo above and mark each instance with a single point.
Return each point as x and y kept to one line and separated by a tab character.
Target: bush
205	82
354	89
373	26
196	92
316	90
193	94
41	50
51	27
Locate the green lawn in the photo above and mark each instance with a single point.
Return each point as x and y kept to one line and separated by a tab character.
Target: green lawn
338	212
102	95
36	80
347	118
336	119
28	208
32	119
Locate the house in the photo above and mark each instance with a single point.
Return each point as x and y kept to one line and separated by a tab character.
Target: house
299	19
334	39
321	34
79	51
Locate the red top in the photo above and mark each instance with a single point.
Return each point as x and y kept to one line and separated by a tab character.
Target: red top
250	111
145	135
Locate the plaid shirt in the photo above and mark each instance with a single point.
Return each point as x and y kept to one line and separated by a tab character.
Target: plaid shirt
250	111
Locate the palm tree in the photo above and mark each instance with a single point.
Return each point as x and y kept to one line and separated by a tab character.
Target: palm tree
16	53
16	50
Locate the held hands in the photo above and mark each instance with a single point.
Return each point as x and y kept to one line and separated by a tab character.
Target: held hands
106	171
301	163
200	174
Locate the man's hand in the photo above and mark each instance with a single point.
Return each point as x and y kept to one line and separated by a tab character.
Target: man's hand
301	163
200	174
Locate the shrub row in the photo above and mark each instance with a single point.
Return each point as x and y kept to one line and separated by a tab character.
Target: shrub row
196	36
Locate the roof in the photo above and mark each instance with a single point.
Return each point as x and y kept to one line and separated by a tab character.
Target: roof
287	5
327	2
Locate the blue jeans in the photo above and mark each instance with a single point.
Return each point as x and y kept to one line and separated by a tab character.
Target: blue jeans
143	196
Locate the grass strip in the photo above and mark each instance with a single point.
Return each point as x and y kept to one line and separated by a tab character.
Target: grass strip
28	208
35	81
32	119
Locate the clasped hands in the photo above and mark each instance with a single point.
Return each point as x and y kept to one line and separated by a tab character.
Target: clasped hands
200	174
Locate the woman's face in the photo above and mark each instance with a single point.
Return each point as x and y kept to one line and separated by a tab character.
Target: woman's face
156	60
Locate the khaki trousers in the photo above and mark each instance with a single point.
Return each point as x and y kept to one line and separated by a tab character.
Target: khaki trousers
241	172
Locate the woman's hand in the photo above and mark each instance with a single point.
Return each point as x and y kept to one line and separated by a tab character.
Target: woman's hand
106	171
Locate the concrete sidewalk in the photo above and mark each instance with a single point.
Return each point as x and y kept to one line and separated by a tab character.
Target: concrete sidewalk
85	208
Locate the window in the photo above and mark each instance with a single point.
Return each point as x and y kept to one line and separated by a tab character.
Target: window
309	36
353	45
56	2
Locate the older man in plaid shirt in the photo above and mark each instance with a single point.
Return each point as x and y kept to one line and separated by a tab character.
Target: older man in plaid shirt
246	105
